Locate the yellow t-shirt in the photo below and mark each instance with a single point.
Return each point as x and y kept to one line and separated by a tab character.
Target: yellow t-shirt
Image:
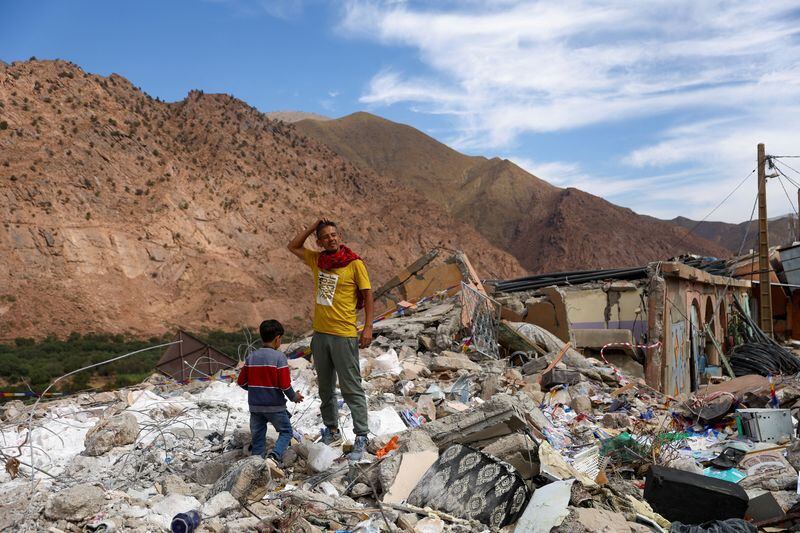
335	296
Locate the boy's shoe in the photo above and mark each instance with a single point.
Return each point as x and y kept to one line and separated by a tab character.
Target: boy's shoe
359	446
331	436
273	462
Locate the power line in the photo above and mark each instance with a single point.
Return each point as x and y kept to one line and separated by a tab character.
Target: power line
787	194
717	207
790	180
790	167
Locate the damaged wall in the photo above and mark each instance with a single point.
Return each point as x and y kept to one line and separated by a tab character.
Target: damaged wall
690	302
591	315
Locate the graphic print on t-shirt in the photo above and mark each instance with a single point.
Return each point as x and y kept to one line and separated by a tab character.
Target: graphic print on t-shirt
326	287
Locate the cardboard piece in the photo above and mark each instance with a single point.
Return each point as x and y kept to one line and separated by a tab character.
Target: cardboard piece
412	467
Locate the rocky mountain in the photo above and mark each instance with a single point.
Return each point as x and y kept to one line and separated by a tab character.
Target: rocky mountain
294	116
122	213
782	231
546	227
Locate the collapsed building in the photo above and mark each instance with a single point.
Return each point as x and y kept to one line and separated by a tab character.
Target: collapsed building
492	406
668	318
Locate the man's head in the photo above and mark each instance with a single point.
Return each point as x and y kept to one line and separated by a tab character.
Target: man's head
271	332
328	236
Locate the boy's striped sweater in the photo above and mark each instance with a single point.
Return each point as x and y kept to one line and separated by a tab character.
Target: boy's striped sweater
265	375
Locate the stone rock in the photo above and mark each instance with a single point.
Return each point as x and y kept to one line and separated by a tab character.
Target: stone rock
210	471
381	384
220	504
454	361
534	366
250	523
616	420
75	504
426	342
241	437
793	454
601	521
117	430
173	484
581	404
513	375
359	490
247	479
407	521
388	470
489	386
519	451
406	352
12	410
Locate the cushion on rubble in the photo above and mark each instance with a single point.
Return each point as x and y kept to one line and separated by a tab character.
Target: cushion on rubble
469	484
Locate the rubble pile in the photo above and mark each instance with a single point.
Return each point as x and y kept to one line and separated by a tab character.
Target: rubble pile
539	439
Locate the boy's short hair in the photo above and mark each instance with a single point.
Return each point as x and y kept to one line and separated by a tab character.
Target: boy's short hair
322	225
269	329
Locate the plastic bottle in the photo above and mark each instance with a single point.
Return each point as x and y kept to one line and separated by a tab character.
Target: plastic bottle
185	522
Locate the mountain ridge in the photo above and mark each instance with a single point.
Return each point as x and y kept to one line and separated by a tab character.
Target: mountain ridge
125	214
511	207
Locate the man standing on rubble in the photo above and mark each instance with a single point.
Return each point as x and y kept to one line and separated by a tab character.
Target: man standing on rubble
341	286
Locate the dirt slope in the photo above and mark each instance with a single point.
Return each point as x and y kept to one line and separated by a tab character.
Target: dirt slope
547	228
782	231
121	213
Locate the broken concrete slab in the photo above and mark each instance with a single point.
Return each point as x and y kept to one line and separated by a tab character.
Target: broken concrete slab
117	430
247	479
547	509
501	415
534	366
209	472
220	504
519	451
581	404
453	361
76	503
601	520
616	420
555	377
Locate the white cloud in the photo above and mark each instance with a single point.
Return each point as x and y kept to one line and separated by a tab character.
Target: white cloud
725	72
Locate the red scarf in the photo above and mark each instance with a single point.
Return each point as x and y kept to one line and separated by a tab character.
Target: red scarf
340	259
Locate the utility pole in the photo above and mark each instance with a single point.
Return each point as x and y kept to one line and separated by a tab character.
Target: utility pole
765	289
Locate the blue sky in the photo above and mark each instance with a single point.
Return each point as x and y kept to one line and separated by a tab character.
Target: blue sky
655	105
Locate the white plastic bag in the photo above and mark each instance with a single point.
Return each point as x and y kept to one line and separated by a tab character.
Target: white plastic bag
387	364
322	456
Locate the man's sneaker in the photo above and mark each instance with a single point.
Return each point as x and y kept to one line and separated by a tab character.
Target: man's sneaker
331	436
359	446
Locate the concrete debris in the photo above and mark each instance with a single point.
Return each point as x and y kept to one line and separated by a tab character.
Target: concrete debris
451	361
464	441
111	432
76	503
518	450
247	479
220	504
502	415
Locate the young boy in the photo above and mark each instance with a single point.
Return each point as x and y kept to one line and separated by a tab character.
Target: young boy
266	378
